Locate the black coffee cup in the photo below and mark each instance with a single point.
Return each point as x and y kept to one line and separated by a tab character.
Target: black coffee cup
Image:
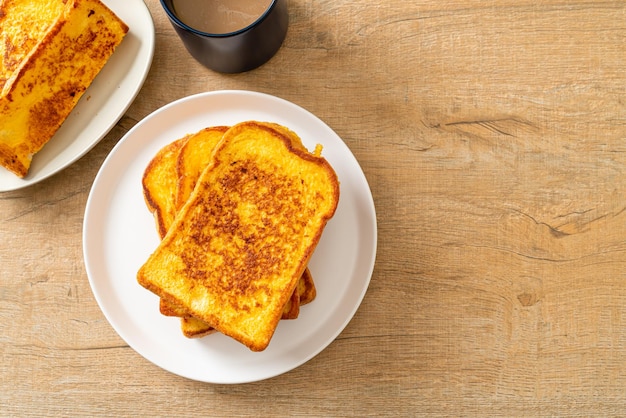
237	51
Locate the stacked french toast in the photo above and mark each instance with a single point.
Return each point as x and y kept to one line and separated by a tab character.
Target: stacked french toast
239	210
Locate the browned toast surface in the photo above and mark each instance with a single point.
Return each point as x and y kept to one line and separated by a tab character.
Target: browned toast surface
159	185
169	179
305	293
23	24
235	252
193	157
52	51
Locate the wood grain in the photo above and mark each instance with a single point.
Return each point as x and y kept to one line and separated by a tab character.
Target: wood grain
493	138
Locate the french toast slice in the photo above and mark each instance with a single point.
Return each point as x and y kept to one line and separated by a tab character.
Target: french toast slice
237	248
169	179
52	50
193	157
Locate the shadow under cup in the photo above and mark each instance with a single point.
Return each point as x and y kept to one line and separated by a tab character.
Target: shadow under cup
237	51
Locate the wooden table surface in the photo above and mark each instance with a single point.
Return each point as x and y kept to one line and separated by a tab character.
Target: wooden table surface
493	137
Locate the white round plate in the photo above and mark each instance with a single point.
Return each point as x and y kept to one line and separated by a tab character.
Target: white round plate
102	104
119	234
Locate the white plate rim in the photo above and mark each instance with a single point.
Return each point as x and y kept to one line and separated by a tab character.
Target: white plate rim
354	186
103	103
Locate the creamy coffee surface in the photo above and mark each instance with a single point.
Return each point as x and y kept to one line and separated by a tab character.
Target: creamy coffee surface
219	16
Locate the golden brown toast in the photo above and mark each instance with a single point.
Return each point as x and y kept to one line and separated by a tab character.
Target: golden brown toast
305	291
159	185
193	158
240	243
23	24
169	179
306	288
195	328
52	51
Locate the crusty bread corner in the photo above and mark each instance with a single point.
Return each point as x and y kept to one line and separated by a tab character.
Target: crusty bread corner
234	254
159	185
195	328
193	158
306	288
52	52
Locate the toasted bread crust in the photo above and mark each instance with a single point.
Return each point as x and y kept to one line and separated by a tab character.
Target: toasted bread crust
195	328
159	186
306	288
193	157
242	240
